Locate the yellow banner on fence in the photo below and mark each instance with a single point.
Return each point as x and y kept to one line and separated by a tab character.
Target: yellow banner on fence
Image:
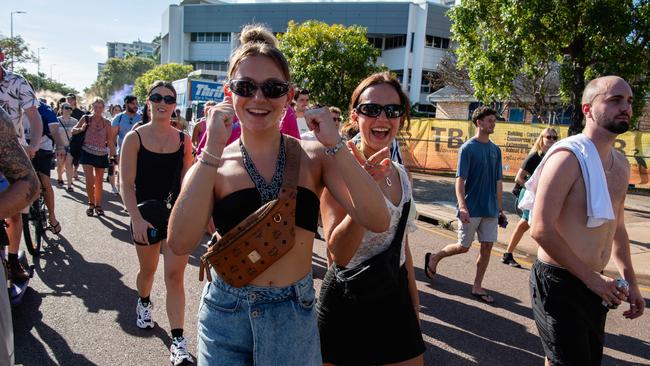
432	145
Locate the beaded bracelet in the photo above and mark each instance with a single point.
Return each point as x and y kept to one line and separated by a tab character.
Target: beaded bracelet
203	161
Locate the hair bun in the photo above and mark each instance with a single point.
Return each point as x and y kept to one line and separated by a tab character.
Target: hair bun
256	33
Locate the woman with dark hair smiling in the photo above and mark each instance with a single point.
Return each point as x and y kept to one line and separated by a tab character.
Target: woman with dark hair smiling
269	318
368	309
154	160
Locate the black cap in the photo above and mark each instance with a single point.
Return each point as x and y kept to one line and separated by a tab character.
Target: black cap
129	98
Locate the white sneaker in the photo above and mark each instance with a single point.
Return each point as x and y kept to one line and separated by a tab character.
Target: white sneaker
178	352
145	313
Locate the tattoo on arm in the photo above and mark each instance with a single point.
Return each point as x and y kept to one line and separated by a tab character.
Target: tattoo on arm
14	162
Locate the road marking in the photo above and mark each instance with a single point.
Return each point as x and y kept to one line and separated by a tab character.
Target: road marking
496	253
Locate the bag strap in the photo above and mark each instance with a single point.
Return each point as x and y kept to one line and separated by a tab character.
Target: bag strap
292	166
64	129
401	227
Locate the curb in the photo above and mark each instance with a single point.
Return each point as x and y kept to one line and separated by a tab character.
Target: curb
443	219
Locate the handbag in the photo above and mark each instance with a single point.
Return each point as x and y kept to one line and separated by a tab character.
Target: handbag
375	276
157	212
248	249
77	141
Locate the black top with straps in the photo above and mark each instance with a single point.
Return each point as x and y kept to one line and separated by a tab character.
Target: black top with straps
155	176
235	207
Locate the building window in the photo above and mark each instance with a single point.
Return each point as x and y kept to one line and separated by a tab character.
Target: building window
210	37
516	114
211	65
395	42
376	41
436	42
427	109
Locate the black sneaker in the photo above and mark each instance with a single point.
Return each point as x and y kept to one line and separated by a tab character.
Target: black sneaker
510	260
17	273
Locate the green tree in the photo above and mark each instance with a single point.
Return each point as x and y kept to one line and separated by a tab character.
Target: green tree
501	40
42	82
156	48
119	72
18	47
169	72
328	60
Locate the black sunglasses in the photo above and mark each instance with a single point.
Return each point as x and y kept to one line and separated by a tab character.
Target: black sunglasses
157	98
551	137
270	88
374	110
67	108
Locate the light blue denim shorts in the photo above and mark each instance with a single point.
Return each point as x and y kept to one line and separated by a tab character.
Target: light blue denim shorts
258	325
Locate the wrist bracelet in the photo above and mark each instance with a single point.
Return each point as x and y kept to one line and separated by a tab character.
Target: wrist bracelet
331	151
203	161
206	152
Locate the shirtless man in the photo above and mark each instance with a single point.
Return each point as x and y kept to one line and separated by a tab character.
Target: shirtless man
567	285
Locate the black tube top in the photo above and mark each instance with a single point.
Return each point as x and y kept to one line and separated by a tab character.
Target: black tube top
235	207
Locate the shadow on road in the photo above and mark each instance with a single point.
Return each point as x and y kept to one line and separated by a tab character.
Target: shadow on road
486	337
28	317
98	285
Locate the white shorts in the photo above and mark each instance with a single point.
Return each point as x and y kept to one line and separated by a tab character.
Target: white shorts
485	227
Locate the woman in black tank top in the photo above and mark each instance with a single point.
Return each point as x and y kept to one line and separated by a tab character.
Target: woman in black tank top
153	162
278	305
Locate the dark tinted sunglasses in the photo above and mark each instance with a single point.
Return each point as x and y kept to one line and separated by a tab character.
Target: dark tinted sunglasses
374	110
67	108
157	98
270	88
551	137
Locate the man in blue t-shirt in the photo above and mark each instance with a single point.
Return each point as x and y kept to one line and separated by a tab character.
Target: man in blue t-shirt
479	190
121	125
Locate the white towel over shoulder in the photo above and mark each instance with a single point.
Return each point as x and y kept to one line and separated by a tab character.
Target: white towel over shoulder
599	204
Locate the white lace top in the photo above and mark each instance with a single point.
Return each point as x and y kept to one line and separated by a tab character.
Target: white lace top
375	243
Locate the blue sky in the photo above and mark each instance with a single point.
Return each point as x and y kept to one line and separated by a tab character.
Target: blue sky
74	32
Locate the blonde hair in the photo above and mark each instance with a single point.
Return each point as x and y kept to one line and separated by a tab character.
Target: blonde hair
539	143
97	100
257	40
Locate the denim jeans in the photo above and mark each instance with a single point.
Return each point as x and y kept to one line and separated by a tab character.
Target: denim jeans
258	325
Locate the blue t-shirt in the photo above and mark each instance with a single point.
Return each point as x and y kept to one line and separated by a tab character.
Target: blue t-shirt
480	165
125	123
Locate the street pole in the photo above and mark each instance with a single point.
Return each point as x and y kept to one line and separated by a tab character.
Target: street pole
13	43
38	67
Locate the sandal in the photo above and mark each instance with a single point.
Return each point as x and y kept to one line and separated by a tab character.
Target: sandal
99	211
90	211
70	189
60	182
485	297
426	267
55	229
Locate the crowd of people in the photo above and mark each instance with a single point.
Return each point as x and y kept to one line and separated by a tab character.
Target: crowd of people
264	147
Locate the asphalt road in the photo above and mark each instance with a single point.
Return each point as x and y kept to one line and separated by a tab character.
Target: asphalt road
80	309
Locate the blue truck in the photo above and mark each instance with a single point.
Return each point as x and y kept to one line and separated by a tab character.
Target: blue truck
191	95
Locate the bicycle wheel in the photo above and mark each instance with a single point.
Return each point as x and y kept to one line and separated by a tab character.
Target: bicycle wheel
34	228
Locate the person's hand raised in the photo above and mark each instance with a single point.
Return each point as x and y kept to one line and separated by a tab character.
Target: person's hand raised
320	121
219	123
377	165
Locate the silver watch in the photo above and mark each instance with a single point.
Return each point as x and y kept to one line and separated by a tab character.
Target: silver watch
334	149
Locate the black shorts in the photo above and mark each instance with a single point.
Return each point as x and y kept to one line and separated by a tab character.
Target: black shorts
42	161
358	332
98	161
570	318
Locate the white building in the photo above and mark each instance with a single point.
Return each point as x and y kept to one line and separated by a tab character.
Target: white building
120	50
413	35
